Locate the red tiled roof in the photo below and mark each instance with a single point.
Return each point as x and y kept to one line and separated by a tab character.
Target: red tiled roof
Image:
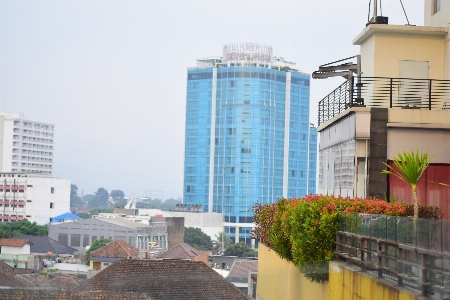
240	268
10	280
61	282
49	294
35	278
13	242
164	279
181	251
116	249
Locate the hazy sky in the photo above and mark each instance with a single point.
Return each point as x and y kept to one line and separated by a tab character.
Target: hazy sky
111	75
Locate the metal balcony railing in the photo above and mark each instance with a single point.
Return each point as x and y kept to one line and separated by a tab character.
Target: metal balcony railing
403	93
412	252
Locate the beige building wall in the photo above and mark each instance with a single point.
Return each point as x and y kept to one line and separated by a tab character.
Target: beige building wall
346	282
442	19
419	129
383	46
280	279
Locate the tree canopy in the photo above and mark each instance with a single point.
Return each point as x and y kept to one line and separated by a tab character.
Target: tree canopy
217	244
100	199
74	199
118	196
240	250
96	245
23	227
102	209
197	238
167	205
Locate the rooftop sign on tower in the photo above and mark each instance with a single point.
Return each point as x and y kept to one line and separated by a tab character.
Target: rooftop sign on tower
248	52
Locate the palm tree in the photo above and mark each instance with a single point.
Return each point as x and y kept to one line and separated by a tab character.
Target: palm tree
410	168
217	244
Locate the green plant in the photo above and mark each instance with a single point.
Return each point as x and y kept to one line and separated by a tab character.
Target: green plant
43	273
196	238
410	167
240	250
303	230
221	238
54	270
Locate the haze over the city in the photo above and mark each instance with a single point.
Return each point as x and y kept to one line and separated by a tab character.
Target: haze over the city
111	75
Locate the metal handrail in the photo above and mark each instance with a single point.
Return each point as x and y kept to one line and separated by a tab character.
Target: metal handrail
412	252
403	93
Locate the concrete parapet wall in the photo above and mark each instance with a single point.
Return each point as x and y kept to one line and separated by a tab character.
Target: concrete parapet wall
280	279
347	282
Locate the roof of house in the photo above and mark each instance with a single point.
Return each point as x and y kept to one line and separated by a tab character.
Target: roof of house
35	278
10	280
14	242
10	270
240	268
65	217
181	251
164	279
130	225
116	249
44	244
38	294
6	268
123	222
61	282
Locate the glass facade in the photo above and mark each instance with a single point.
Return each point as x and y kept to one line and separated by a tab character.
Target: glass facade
248	139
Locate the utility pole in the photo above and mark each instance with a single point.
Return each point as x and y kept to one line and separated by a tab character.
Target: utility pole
223	213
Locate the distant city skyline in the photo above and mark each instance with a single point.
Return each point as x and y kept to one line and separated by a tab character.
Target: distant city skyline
111	75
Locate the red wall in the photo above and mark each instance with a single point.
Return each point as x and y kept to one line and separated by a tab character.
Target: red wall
429	193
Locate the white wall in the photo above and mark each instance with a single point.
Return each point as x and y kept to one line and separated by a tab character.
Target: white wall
16	250
41	197
35	197
6	144
440	19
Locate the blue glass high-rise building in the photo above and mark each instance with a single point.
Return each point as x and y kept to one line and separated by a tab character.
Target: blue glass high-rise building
248	136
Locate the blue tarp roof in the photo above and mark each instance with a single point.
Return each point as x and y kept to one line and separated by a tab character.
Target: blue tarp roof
66	216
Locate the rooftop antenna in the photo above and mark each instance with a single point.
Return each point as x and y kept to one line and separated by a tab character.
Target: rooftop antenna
375	18
404	12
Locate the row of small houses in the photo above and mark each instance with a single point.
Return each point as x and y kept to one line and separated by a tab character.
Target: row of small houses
188	267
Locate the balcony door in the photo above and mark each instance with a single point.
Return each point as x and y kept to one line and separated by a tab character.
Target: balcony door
413	87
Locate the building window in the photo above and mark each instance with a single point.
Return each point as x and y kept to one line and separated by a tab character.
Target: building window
75	240
231	131
51	205
52	190
63	238
437	6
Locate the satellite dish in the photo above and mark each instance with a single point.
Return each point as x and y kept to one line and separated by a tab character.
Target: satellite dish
153	244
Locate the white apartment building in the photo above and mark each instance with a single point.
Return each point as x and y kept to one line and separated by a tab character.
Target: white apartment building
25	146
36	198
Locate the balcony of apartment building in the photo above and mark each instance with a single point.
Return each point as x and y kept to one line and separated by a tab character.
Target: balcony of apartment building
13	205
395	98
385	92
366	121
